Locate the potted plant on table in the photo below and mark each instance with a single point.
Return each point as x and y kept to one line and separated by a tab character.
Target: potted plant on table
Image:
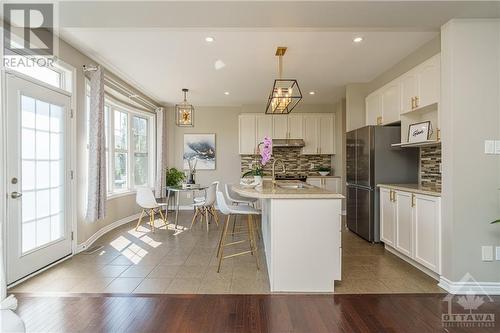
174	177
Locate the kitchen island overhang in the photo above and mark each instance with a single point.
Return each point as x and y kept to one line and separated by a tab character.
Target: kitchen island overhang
301	231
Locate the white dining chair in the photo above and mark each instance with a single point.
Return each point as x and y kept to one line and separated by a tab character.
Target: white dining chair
206	208
242	210
147	201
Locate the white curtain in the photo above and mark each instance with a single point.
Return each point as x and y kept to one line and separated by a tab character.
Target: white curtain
161	163
96	193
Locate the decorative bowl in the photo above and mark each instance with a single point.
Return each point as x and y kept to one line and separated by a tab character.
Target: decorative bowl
324	173
248	182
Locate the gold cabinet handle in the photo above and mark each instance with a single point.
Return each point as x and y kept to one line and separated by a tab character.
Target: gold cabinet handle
379	120
438	134
413	103
413	200
416	101
390	195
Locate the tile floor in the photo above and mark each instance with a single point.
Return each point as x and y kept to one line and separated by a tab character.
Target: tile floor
184	261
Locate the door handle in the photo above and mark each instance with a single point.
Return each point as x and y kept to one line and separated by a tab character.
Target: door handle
15	195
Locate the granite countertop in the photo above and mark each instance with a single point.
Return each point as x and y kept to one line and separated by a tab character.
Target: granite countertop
320	176
414	188
267	191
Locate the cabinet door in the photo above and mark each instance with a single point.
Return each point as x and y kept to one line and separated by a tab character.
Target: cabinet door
391	102
427	219
409	90
326	134
332	184
311	135
314	181
428	75
374	109
404	230
295	125
247	134
264	127
280	127
387	218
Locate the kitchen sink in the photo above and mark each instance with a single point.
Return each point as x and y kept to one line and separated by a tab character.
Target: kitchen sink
293	186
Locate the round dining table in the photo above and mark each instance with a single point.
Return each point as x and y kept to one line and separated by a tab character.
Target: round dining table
177	190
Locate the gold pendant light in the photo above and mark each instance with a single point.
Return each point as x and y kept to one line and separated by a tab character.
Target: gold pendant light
285	93
184	112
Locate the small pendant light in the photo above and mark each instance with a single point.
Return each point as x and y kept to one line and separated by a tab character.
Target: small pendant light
184	112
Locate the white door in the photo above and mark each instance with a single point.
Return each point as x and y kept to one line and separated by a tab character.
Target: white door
374	109
387	217
311	135
404	230
38	225
427	231
391	102
326	129
247	134
280	127
295	125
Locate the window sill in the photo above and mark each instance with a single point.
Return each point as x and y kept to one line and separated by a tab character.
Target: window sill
118	195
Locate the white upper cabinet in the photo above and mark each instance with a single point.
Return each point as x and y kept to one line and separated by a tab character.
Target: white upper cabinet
326	137
429	83
391	102
264	127
311	137
280	127
295	126
319	134
247	134
409	89
374	108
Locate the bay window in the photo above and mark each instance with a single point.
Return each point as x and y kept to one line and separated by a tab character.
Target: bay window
129	148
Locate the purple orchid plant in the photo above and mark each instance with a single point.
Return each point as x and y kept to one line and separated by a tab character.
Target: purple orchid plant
265	152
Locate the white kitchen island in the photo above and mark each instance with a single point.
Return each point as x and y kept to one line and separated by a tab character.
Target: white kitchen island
301	232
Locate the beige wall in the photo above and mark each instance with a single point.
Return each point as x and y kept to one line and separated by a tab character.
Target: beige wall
116	208
470	114
223	121
357	92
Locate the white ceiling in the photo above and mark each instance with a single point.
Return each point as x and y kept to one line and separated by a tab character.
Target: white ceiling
162	62
160	45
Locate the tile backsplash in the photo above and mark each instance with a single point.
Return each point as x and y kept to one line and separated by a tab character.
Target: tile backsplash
295	162
430	162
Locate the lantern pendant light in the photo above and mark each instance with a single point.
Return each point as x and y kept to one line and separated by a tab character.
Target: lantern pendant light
184	112
286	93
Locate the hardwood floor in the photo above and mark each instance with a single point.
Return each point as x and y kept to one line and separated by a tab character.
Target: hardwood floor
241	313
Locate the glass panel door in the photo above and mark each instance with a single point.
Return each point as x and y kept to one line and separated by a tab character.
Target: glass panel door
38	228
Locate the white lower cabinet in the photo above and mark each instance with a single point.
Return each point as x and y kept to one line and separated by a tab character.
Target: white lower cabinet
411	224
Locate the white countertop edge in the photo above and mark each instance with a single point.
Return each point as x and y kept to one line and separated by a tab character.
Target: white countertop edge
410	188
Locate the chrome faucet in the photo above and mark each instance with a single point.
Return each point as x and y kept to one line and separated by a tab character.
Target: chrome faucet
274	169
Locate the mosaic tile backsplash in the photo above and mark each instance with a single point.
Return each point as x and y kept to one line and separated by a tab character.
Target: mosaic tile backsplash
430	160
295	162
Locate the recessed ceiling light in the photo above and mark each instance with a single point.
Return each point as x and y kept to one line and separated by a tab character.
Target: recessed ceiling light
357	39
312	93
226	93
209	39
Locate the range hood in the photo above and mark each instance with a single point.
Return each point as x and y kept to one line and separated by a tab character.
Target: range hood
288	143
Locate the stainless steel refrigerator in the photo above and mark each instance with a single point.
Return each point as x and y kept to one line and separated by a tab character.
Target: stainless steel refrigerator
370	161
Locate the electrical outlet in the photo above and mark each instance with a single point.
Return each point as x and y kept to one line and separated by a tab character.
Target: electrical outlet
497	250
489	146
188	195
487	253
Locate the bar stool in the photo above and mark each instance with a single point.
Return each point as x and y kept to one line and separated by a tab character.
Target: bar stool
147	201
237	200
207	207
236	210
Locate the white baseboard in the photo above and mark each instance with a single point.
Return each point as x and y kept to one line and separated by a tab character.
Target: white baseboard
85	245
478	288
